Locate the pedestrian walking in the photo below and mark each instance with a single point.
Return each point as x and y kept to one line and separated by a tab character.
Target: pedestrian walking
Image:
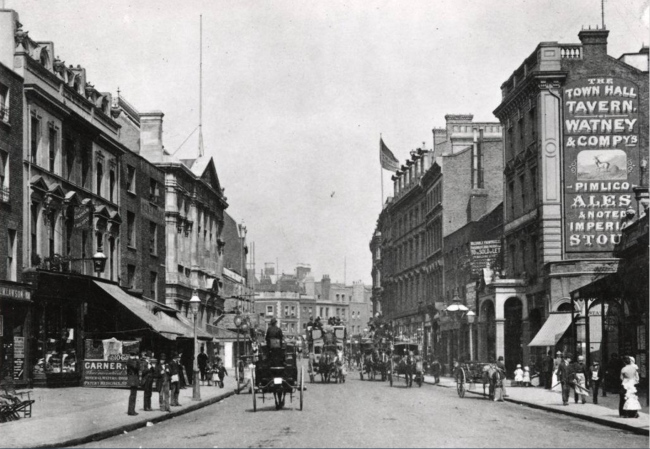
175	372
221	373
132	381
613	372
547	371
556	384
581	373
435	369
565	377
500	380
595	379
148	375
202	361
629	406
163	377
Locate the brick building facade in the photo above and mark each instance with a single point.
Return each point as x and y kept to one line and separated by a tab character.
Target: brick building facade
576	137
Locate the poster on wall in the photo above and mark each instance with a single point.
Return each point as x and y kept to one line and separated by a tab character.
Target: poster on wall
485	254
19	357
601	160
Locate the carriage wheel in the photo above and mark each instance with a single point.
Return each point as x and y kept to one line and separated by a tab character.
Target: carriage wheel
301	385
254	395
460	383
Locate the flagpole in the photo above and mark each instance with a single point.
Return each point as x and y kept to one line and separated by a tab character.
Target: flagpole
381	174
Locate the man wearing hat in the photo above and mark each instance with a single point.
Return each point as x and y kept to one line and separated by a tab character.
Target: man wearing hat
162	375
175	373
581	375
566	377
595	379
148	374
132	381
274	339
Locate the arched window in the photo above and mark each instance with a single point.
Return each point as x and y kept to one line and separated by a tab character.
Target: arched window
111	185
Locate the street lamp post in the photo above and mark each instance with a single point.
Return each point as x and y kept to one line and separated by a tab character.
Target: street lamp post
457	309
238	323
196	392
471	316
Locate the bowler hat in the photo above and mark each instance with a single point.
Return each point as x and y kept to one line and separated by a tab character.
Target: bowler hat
274	320
163	356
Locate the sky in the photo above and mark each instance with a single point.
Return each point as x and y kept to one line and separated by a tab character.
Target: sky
297	93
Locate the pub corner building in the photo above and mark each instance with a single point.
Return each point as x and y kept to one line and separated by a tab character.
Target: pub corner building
586	290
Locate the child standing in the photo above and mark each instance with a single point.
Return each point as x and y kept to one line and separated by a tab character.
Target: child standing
519	376
526	377
221	372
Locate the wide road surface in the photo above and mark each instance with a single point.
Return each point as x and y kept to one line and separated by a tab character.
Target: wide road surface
372	414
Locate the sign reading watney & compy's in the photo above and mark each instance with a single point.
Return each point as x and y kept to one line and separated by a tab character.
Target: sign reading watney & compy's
601	153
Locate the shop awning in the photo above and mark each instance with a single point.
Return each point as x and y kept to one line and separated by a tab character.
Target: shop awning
140	310
552	330
183	325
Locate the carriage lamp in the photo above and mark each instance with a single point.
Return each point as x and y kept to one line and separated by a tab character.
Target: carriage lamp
99	261
195	301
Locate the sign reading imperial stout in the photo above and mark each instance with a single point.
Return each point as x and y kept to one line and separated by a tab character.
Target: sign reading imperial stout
601	160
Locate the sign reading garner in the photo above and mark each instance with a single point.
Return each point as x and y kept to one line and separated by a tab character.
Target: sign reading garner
484	253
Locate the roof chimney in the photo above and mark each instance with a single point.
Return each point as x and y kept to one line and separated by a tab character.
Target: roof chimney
151	129
594	43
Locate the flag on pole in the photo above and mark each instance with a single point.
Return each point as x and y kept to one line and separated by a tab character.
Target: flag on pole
386	158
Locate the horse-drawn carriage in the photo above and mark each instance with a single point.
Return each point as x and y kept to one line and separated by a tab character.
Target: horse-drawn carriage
326	349
469	374
276	372
374	361
405	360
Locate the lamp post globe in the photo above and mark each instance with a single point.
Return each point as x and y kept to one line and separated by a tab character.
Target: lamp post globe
195	302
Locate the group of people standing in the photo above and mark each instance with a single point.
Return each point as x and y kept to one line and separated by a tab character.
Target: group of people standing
169	377
565	373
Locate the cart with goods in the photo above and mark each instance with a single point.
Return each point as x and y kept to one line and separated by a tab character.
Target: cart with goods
276	373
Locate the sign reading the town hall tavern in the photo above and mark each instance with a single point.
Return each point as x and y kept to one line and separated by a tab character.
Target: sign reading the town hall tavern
601	160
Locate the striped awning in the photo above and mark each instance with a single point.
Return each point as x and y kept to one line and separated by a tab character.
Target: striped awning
552	330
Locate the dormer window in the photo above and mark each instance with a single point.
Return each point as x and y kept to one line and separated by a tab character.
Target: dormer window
44	59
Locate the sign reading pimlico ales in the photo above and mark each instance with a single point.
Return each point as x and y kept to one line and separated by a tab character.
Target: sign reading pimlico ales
601	160
484	253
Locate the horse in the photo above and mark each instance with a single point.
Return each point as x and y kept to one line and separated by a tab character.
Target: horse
326	366
602	165
339	362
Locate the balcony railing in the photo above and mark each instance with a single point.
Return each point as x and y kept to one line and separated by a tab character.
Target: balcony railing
571	51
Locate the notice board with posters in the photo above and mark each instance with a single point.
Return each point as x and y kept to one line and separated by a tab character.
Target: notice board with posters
485	253
601	160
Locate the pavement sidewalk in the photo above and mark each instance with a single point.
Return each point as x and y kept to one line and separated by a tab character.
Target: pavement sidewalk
71	416
605	412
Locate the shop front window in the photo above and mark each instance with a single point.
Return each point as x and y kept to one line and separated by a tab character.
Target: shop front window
12	341
57	339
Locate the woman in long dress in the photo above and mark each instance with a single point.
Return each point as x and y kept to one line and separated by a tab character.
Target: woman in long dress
629	405
555	382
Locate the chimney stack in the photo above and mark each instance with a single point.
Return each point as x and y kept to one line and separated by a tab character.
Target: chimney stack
594	43
151	130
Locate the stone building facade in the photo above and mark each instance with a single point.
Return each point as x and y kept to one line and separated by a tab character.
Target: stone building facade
576	136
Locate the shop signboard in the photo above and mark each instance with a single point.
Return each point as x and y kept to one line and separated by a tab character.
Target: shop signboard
82	218
485	253
19	357
104	373
107	367
601	160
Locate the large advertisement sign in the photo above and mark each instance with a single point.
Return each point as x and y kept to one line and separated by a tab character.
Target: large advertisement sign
601	153
485	253
101	373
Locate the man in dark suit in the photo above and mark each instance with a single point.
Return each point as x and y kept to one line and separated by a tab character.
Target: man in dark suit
545	376
148	374
162	376
565	375
202	361
274	339
132	381
175	373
